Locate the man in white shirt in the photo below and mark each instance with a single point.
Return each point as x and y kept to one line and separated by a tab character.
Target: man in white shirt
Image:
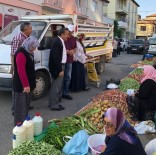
115	46
57	59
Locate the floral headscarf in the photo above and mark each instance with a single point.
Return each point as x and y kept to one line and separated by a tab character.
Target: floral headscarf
123	129
30	43
149	73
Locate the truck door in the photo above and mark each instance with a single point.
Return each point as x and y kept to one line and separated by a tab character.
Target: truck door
43	78
46	42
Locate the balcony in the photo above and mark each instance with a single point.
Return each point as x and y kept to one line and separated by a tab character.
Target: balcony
121	9
107	20
81	11
53	5
122	24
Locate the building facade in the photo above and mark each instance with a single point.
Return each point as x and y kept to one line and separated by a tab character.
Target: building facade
126	13
146	27
9	10
95	10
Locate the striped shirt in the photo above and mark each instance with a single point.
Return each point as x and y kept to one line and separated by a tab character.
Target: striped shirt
17	42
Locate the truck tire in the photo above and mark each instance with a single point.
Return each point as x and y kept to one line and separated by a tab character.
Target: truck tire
100	67
42	85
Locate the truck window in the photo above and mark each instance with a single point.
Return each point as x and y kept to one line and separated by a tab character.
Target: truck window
10	31
52	32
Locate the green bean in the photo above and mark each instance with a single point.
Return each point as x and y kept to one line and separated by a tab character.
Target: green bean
129	83
35	148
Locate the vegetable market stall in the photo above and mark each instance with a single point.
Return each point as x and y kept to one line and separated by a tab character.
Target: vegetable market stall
88	118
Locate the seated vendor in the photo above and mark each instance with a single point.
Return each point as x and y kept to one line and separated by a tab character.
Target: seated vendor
121	138
146	95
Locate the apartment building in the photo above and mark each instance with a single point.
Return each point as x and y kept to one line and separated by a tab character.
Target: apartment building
14	9
95	10
126	13
146	27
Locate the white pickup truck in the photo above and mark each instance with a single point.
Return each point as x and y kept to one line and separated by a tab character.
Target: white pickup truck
98	45
124	44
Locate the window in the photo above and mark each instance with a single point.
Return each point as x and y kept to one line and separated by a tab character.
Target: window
95	5
78	2
49	35
143	28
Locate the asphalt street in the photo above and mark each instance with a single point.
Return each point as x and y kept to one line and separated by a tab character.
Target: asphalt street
118	68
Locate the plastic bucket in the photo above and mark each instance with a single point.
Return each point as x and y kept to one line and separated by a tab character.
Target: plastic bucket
94	141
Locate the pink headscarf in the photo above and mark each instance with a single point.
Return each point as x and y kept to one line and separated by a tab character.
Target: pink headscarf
149	73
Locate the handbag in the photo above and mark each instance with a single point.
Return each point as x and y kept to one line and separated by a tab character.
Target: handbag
77	145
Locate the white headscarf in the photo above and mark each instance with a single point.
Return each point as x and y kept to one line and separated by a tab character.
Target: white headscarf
30	43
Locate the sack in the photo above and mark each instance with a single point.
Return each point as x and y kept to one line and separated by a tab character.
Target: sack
77	145
145	127
150	148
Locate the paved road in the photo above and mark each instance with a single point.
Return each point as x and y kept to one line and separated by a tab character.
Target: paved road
118	68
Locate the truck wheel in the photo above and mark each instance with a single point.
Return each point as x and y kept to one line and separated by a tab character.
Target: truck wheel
100	67
42	85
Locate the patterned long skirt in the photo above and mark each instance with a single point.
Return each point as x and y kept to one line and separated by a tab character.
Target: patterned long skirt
21	106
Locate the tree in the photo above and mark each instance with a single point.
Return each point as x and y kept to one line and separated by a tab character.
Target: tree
116	27
117	31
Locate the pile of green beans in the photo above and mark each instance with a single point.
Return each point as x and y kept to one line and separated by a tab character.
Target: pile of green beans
129	83
35	148
138	71
68	127
146	62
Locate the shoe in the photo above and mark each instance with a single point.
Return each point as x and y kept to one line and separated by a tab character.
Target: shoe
87	88
31	107
59	108
68	97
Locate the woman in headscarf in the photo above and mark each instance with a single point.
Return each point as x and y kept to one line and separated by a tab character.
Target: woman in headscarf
121	138
78	81
24	78
147	94
145	98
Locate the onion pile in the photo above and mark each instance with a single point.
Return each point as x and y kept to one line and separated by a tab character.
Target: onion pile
105	100
136	77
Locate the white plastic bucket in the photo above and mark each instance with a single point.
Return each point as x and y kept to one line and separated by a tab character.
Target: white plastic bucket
94	141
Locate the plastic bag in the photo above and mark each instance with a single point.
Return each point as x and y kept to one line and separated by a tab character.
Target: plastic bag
77	145
150	148
130	92
145	127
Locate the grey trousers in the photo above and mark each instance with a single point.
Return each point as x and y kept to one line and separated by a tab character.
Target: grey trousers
54	94
21	106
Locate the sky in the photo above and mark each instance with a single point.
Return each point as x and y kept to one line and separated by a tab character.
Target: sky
147	7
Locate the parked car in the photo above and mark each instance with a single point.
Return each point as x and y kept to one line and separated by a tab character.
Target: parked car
152	47
124	44
136	46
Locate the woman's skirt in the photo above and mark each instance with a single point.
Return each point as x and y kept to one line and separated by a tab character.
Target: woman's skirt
21	106
78	82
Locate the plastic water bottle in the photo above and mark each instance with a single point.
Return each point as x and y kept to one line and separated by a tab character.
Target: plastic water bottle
29	128
38	124
18	135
